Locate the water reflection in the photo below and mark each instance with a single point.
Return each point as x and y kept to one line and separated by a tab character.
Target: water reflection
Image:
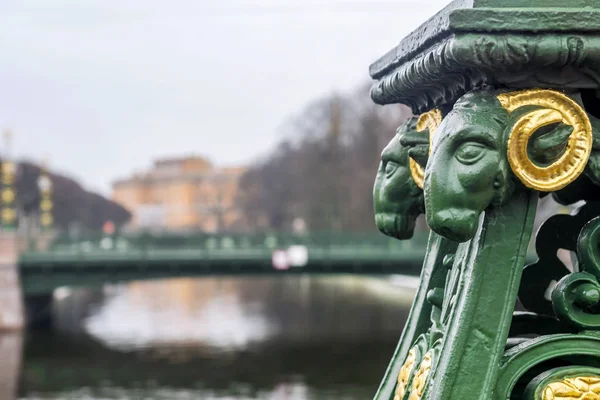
285	338
180	312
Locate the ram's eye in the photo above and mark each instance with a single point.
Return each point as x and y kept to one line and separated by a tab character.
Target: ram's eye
390	168
470	153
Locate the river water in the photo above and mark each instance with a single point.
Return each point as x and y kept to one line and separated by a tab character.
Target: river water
286	338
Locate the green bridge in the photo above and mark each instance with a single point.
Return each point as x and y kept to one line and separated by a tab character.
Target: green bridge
94	261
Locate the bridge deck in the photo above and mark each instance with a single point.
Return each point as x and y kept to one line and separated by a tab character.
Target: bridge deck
92	263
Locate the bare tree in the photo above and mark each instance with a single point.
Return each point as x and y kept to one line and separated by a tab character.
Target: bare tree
323	173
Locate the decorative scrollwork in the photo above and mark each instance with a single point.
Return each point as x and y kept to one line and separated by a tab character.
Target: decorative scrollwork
427	121
588	251
556	108
576	298
557	232
446	70
491	50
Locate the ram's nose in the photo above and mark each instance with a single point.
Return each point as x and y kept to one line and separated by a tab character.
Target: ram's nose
395	225
459	225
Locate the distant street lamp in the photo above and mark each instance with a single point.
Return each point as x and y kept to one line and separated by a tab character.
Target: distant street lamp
45	186
8	214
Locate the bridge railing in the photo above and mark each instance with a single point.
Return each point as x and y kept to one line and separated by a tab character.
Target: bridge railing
235	241
319	244
122	258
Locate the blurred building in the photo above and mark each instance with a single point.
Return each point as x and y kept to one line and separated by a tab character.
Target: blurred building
181	194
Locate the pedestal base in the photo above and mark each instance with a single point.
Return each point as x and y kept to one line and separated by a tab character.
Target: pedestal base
11	303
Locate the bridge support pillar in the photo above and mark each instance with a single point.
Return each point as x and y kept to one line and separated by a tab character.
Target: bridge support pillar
38	312
11	301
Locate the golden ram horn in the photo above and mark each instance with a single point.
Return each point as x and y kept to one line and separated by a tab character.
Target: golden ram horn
556	107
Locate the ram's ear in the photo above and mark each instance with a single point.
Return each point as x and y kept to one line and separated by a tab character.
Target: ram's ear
549	142
414	138
418	145
420	154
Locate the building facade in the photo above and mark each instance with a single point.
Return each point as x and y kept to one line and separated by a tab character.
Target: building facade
181	194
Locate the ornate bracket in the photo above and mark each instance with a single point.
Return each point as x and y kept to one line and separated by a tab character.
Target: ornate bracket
507	92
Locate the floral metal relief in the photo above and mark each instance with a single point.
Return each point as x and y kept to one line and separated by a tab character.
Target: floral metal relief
405	374
579	388
420	379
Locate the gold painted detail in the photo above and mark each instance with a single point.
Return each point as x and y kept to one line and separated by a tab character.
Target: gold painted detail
556	107
579	388
427	121
420	379
405	374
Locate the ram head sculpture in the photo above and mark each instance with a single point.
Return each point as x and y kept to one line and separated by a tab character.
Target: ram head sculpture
493	143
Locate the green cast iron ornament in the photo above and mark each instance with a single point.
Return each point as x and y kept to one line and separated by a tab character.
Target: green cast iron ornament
507	99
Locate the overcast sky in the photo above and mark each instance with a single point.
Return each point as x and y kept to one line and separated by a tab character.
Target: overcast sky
104	86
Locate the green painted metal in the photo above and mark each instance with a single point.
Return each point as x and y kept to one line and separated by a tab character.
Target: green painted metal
397	199
464	47
517	83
